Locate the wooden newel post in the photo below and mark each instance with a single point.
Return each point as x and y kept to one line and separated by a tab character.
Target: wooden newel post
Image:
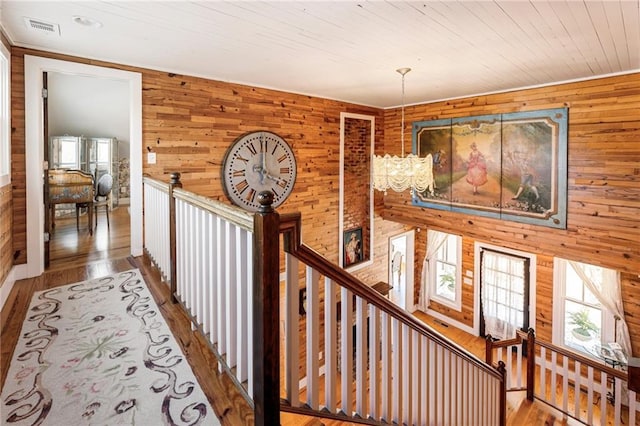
488	350
503	393
266	313
174	182
531	363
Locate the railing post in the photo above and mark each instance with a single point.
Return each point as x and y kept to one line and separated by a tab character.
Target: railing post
174	182
503	393
531	363
488	349
266	313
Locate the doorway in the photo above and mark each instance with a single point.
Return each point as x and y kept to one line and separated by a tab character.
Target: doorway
506	291
34	69
88	130
401	270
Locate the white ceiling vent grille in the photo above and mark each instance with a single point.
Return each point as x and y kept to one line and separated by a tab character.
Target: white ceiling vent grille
41	26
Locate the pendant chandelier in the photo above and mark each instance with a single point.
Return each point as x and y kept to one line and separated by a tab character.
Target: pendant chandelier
401	173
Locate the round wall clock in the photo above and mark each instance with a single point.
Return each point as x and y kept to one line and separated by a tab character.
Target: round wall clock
256	162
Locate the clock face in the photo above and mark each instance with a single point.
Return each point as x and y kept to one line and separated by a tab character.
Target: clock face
256	162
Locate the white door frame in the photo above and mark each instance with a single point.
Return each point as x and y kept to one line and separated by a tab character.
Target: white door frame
34	66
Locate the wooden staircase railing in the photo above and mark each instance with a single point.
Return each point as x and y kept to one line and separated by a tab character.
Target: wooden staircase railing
385	367
578	386
398	370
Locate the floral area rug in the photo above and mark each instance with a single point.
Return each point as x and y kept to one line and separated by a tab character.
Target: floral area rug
99	352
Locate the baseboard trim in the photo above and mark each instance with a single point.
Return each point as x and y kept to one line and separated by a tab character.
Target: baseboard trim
457	324
15	274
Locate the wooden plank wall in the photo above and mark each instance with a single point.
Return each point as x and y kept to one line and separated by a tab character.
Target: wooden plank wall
6	259
603	218
6	246
190	122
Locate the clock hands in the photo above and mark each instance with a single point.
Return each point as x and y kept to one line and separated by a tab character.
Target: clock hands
277	180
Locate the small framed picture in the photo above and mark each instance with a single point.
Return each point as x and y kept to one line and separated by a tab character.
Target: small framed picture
352	247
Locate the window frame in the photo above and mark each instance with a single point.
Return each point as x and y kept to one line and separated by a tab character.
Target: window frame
5	115
455	304
607	330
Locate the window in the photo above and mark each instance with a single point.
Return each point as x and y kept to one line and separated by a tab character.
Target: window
445	271
580	322
5	119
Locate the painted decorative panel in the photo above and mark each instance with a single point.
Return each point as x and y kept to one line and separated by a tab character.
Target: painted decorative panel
507	166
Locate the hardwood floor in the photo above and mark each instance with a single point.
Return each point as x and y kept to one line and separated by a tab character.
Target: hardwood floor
77	256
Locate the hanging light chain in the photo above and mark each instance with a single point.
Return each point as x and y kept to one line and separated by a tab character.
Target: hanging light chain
403	72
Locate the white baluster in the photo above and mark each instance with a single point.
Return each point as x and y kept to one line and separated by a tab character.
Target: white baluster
346	350
432	391
214	261
361	356
374	361
387	359
206	272
396	388
446	378
407	409
231	282
416	372
577	376
632	407
554	367
603	398
249	256
331	345
565	383
242	302
590	395
518	365
221	308
424	380
313	327
292	361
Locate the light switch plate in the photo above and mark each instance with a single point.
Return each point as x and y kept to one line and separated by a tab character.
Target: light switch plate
151	158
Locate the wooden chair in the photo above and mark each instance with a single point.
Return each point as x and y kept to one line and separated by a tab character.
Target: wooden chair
103	196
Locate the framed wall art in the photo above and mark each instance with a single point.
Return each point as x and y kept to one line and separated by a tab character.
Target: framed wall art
352	243
507	166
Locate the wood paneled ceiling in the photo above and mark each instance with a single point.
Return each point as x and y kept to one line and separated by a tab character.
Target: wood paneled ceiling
348	50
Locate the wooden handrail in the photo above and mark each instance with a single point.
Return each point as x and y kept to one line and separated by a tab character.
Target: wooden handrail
164	186
290	227
233	214
589	362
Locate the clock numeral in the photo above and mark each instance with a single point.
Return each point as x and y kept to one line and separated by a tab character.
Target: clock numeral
238	173
241	158
242	186
284	170
252	149
263	145
282	158
251	195
283	183
274	149
275	194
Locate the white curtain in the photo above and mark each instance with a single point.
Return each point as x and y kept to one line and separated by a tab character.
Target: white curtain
501	318
435	240
610	297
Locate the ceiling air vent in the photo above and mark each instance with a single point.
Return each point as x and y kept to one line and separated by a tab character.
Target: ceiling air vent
41	26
